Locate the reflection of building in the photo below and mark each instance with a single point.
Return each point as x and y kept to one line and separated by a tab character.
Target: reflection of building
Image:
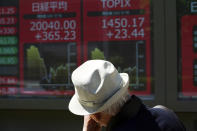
35	64
71	52
127	56
49	69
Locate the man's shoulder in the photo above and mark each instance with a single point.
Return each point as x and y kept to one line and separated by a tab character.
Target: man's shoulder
134	114
166	118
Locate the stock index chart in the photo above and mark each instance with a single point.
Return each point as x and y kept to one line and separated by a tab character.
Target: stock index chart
43	41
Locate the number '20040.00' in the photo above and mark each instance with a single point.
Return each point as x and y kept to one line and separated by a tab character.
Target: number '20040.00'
52	25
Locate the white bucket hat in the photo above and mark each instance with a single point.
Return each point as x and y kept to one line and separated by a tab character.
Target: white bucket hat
97	86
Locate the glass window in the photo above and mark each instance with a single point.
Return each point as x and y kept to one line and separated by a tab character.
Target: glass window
121	33
43	41
187	48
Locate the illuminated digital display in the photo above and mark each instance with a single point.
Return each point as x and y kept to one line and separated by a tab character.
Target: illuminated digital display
50	45
119	31
9	48
42	42
189	56
187	21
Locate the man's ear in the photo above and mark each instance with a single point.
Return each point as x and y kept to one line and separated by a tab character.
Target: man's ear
90	124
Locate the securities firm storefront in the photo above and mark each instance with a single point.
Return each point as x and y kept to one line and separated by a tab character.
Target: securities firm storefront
43	41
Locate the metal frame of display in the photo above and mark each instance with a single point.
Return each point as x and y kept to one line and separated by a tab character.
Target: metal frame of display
158	54
173	102
158	76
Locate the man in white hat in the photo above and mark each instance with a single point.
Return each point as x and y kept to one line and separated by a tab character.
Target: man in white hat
101	96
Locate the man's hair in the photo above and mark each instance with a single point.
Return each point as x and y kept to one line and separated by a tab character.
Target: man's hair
116	106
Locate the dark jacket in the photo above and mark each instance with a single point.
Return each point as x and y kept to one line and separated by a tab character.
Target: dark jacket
135	116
